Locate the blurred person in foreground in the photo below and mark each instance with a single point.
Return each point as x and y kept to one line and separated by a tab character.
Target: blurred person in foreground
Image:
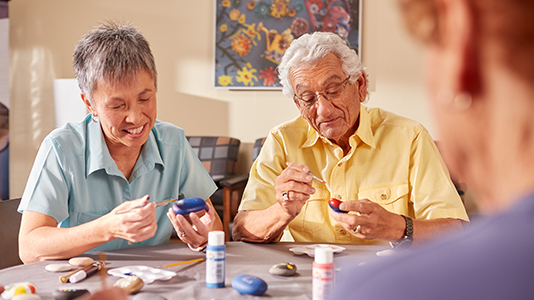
480	63
384	168
92	185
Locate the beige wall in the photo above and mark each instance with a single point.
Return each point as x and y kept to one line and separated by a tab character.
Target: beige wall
43	34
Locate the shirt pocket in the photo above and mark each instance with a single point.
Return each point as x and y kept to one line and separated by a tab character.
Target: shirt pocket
313	214
387	195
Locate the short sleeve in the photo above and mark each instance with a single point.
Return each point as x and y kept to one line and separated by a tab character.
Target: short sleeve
46	191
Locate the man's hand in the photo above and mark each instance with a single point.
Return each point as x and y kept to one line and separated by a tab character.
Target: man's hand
296	184
375	222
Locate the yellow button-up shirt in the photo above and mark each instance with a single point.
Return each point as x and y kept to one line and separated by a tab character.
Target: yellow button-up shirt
393	161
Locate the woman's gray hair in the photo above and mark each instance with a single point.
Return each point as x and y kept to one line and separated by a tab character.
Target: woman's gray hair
309	49
112	53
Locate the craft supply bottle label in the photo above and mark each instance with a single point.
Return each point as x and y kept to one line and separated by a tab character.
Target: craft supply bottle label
215	259
323	280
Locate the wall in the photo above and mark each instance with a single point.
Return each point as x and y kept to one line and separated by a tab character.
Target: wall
43	34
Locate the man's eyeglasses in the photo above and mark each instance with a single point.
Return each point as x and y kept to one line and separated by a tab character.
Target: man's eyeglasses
308	99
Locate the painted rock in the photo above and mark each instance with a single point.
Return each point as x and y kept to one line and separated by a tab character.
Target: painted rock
283	269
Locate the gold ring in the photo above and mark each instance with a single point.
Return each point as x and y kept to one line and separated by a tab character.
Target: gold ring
181	234
358	228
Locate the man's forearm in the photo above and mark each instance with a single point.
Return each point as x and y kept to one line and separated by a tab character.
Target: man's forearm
260	226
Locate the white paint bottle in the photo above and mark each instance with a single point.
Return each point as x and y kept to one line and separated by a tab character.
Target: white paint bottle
323	273
215	260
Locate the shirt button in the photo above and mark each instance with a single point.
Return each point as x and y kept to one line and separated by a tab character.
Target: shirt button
383	196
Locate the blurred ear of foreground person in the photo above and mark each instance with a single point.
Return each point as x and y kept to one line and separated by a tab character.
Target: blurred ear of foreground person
480	70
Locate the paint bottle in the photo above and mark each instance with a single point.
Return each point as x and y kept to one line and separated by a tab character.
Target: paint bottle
215	260
323	273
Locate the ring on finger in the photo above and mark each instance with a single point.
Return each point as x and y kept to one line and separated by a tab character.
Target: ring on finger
285	196
358	229
181	234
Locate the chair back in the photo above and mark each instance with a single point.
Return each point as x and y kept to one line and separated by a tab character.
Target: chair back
217	154
257	148
9	233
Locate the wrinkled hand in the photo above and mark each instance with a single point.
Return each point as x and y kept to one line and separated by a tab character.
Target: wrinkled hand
296	182
135	222
375	221
195	233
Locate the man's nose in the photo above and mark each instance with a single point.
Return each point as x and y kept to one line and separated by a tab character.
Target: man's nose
324	106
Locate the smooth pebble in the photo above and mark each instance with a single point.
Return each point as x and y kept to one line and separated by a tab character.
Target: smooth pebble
249	285
283	269
81	261
58	267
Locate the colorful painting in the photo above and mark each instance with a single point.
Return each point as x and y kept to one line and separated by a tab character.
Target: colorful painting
251	36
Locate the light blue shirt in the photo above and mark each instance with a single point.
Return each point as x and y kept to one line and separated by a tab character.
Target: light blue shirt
75	180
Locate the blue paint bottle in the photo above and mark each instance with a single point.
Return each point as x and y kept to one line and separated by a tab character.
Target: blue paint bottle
215	260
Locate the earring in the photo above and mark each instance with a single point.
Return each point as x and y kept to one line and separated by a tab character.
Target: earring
462	101
94	118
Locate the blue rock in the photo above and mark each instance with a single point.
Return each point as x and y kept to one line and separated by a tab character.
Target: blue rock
249	285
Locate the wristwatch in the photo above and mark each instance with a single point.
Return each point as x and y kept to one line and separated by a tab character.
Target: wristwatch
407	239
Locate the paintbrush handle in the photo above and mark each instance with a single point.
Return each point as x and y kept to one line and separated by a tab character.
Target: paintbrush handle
65	278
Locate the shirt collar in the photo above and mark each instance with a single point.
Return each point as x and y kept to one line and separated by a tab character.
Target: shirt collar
364	131
98	157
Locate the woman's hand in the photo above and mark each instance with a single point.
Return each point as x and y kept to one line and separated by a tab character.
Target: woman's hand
195	233
134	220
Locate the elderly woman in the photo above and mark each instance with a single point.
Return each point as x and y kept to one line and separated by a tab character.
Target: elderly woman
93	183
480	73
384	168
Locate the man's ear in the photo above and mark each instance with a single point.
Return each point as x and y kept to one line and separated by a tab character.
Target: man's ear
362	90
457	34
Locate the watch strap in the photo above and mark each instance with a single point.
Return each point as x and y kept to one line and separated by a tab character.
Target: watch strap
408	231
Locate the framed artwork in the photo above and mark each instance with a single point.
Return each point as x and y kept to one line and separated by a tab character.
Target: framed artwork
251	36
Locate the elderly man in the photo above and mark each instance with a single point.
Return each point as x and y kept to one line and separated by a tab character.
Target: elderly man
385	169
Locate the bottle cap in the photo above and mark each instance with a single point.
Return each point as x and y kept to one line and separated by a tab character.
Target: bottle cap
216	238
324	255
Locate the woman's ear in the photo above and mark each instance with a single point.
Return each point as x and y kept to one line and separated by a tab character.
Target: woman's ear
88	104
457	32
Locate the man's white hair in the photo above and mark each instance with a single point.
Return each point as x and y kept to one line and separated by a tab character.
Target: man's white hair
308	49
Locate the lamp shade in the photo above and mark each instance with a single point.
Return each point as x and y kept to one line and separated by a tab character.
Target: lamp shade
69	106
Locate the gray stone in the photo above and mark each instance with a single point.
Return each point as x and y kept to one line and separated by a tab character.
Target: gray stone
283	269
